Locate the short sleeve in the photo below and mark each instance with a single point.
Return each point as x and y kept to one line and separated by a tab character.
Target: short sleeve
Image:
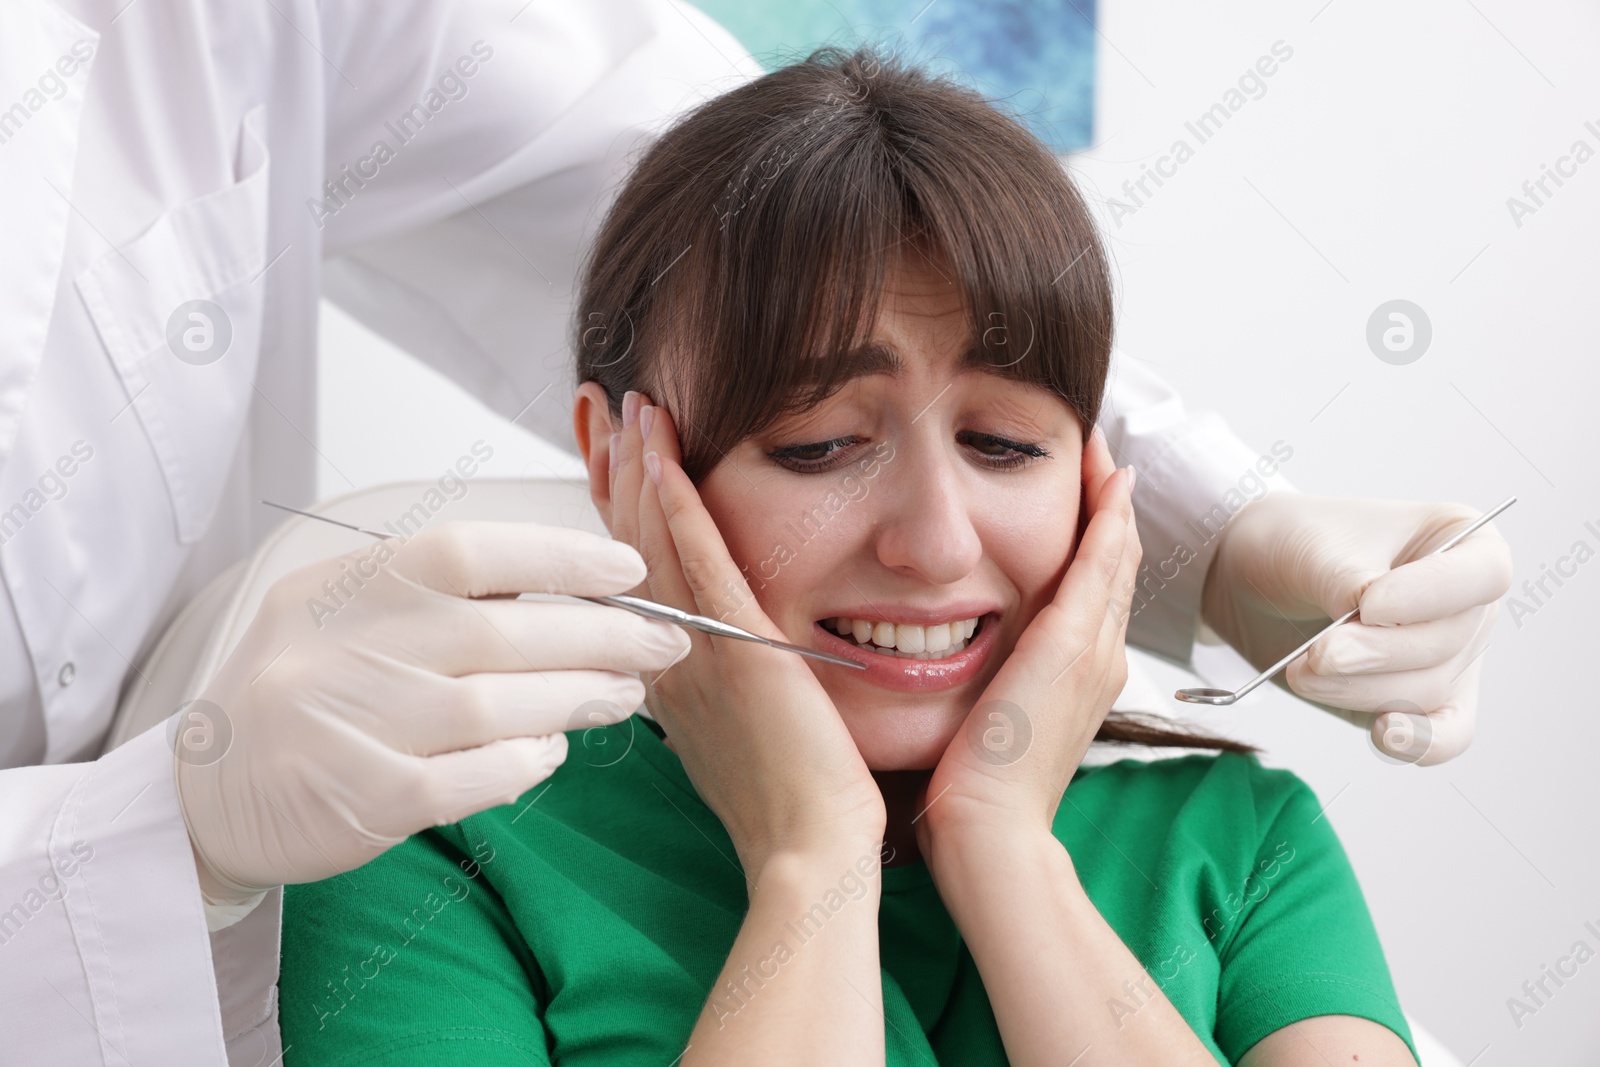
411	959
1297	940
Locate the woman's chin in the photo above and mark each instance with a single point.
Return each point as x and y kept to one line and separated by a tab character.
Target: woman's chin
903	739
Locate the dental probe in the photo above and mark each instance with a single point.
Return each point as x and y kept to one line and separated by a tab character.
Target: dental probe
324	518
1222	697
651	610
639	606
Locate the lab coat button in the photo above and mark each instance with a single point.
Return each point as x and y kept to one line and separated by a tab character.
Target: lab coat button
67	673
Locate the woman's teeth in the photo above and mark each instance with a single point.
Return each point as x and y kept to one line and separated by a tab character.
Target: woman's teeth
911	642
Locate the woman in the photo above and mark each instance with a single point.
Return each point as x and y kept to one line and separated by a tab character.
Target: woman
878	319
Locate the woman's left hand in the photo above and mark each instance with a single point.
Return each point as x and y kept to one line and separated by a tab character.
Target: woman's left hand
1022	742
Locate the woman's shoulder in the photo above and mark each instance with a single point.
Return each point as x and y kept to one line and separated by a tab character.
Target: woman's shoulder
1229	779
1222	812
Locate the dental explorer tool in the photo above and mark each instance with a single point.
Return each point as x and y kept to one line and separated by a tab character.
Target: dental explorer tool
716	627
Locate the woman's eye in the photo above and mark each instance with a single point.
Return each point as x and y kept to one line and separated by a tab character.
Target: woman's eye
808	458
816	457
1004	453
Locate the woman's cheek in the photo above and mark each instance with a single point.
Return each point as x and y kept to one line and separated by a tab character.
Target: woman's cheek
768	564
1034	550
731	512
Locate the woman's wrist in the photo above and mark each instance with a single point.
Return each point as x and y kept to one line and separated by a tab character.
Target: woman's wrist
810	887
807	950
968	859
840	838
967	823
1011	891
829	860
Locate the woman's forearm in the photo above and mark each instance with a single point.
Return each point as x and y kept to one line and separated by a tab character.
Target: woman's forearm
801	984
1054	970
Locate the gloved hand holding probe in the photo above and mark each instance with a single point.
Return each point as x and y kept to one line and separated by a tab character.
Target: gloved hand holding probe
429	695
1407	668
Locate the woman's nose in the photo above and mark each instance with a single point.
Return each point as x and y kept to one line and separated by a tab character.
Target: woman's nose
924	523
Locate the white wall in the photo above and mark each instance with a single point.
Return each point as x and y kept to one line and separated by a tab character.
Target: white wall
1375	166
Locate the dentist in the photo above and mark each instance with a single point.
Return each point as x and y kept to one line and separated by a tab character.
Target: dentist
180	182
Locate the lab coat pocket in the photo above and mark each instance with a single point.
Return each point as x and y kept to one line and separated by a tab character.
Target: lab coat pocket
179	310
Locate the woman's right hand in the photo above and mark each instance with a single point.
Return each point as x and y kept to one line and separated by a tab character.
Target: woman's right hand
758	735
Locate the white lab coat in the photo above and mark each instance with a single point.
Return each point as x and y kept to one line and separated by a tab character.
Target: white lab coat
155	152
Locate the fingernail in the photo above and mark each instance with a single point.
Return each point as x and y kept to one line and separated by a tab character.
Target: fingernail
630	408
652	464
647	419
616	451
1133	477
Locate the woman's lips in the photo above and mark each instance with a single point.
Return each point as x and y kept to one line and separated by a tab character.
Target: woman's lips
912	675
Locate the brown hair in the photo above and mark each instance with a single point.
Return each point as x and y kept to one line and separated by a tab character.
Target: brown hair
757	234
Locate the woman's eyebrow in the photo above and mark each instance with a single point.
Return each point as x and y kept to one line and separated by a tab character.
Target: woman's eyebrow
880	357
865	360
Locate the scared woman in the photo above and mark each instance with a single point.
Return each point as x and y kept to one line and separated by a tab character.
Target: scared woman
842	342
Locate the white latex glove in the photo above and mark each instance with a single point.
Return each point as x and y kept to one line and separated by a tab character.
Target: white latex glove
412	705
1407	667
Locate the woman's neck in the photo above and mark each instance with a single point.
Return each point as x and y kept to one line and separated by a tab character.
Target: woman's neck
903	799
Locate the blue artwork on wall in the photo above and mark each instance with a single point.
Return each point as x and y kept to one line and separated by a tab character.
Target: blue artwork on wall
1036	56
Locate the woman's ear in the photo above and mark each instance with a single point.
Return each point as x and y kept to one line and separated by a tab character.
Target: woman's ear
592	427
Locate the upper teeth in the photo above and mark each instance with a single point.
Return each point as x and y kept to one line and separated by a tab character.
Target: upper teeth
906	638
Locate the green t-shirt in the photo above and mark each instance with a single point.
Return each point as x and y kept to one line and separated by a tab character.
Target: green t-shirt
586	923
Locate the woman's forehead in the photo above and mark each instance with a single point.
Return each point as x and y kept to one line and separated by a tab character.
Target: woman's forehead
915	377
926	313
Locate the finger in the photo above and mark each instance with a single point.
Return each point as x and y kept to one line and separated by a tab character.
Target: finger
613	459
457	784
662	435
1427	689
1424	738
1112	654
465	713
1356	648
667	582
1098	466
1074	621
1450	728
472	636
1477	571
476	559
627	480
1120	608
1081	631
1087	589
705	573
